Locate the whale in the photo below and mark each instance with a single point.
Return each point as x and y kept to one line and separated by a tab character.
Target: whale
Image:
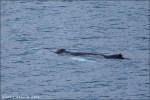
114	56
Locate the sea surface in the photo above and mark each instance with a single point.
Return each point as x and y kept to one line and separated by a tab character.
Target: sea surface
31	31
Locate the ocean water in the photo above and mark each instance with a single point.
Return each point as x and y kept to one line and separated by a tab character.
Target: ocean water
32	30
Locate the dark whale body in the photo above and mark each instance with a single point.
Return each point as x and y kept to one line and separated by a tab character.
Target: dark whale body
63	51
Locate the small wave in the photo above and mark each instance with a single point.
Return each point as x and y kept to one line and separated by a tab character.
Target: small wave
19	61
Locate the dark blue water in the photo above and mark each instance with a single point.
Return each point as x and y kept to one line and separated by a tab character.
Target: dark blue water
30	30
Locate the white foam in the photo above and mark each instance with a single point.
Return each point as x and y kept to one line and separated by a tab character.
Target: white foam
81	59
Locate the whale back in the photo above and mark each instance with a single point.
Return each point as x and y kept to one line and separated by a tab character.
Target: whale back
115	56
60	51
